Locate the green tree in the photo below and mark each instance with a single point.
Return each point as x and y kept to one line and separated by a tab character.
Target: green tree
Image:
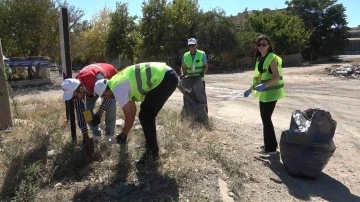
182	22
327	22
95	38
30	28
216	34
154	27
246	40
287	31
123	37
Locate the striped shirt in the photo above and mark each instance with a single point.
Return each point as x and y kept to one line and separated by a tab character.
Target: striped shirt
80	105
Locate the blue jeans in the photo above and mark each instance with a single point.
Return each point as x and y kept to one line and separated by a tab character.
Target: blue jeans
110	117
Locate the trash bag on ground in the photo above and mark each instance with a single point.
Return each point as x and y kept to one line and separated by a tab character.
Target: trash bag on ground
194	97
308	145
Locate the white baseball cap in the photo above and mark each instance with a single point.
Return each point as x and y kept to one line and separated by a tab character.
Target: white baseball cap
100	87
69	86
191	41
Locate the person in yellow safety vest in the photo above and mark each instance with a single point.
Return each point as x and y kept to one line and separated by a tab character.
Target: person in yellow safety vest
268	87
150	83
194	62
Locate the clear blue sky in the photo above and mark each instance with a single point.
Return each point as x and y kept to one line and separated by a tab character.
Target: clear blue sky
231	7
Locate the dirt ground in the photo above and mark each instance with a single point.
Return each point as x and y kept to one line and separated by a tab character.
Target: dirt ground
306	87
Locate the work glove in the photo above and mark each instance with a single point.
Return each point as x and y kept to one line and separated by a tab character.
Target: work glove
260	87
88	145
182	76
247	92
96	119
121	138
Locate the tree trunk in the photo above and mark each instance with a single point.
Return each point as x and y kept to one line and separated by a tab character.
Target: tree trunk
5	110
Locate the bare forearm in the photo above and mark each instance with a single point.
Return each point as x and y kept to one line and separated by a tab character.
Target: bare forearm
206	67
130	112
129	122
272	81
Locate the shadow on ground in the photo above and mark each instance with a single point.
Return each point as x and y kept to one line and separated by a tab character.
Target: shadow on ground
325	186
149	184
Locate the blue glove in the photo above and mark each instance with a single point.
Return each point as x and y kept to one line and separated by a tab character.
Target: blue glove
260	87
247	92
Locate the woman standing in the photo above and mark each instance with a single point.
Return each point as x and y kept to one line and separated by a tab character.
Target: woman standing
268	86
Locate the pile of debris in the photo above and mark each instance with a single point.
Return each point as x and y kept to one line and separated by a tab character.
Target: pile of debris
345	70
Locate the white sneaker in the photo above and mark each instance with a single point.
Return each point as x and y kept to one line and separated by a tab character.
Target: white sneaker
109	140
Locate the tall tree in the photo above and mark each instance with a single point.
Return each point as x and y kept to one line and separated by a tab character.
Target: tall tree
154	27
123	37
328	25
216	34
30	28
94	46
287	31
182	22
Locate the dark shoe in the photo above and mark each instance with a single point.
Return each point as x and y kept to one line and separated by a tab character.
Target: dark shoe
121	139
263	147
147	157
265	152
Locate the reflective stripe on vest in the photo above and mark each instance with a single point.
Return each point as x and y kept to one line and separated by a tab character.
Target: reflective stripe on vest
143	77
274	92
139	80
189	62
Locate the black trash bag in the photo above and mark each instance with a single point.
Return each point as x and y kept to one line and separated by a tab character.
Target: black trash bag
308	145
195	100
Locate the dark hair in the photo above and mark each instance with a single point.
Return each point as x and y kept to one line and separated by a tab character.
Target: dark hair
80	85
263	37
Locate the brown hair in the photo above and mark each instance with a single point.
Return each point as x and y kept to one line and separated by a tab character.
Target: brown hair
263	37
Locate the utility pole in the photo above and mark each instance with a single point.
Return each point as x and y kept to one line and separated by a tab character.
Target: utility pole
5	110
66	62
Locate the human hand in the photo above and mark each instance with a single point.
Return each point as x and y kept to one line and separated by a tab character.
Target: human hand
96	119
121	138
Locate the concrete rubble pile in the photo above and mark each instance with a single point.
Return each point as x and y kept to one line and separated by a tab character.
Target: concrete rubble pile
346	70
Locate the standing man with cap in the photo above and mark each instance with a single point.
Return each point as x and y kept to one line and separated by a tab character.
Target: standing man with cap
81	90
195	62
149	83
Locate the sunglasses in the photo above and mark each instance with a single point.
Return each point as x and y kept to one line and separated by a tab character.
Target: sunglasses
191	45
262	44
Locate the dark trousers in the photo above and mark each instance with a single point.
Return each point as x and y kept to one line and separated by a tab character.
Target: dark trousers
150	107
206	108
266	111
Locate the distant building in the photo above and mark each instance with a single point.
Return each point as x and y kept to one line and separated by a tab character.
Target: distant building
240	18
354	41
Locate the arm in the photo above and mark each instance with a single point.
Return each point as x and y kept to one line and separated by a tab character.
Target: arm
80	108
183	67
275	71
206	65
104	105
129	110
105	102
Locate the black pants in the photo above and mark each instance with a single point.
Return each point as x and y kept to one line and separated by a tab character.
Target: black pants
150	107
266	111
206	108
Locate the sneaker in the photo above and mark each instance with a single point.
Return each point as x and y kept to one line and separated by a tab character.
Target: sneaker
263	151
109	140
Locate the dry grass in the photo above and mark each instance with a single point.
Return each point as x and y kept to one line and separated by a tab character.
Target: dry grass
192	160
